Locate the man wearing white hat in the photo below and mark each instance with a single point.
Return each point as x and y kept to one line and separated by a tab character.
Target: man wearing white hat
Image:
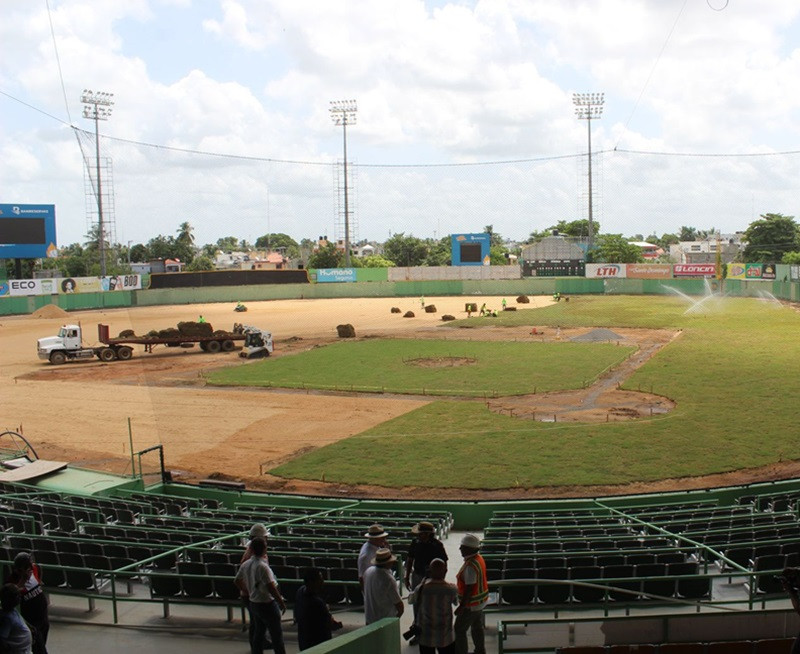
473	595
381	594
376	538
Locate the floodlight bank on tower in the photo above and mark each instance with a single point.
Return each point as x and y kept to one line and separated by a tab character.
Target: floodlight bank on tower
588	107
343	112
98	106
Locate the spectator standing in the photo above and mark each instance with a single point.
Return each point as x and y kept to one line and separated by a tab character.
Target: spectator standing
433	601
473	595
424	548
381	595
315	623
15	637
256	531
33	601
376	539
255	578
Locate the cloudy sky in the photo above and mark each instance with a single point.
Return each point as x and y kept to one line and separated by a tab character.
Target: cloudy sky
465	114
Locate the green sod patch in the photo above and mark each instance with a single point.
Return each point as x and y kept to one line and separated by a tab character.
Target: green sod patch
734	373
427	367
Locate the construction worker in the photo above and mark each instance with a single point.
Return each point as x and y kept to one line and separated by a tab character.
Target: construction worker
201	319
483	309
504	304
473	595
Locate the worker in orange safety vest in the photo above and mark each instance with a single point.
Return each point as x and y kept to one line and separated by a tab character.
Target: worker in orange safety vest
473	595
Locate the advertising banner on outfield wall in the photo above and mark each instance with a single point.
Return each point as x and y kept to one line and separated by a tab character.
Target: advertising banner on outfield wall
649	270
69	285
751	271
336	274
736	270
694	269
794	273
606	270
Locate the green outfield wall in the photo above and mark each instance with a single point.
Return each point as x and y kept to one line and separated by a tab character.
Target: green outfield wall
376	287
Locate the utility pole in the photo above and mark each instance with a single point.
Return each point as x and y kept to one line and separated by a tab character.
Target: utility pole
589	106
98	106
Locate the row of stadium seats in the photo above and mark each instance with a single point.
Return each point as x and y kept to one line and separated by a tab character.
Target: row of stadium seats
766	646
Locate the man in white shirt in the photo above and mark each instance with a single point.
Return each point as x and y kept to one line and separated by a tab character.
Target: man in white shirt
381	594
376	538
265	602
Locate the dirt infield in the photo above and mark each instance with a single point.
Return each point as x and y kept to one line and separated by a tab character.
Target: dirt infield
79	411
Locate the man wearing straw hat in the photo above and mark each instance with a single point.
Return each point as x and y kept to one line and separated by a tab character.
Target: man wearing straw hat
424	548
473	595
381	595
376	539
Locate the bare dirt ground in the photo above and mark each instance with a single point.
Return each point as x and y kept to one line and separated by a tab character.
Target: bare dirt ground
603	401
79	412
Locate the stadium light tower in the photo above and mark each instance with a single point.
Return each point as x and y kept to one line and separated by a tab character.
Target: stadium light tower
343	112
98	106
589	106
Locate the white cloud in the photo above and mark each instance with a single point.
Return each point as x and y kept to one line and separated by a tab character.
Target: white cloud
235	25
457	82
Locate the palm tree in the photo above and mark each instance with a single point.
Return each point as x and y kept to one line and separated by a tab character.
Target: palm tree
185	234
185	249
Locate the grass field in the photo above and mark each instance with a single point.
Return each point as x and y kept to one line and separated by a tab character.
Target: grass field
734	373
392	365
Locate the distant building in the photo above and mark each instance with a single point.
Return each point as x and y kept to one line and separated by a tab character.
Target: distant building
705	251
650	251
367	249
231	260
272	261
140	268
173	265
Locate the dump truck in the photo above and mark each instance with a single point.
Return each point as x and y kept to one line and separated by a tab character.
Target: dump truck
68	344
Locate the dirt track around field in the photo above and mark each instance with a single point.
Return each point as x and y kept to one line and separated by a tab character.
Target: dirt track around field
79	411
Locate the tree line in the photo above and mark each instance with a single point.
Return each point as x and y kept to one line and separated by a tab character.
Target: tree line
772	238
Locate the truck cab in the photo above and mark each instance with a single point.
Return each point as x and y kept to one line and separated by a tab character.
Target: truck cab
67	344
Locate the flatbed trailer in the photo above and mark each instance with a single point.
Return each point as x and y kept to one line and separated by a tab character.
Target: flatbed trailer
214	342
68	344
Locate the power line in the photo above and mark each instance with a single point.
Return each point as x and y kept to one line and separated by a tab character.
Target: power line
499	162
652	70
732	155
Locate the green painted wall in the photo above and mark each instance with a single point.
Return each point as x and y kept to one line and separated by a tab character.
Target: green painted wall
380	637
379	288
372	274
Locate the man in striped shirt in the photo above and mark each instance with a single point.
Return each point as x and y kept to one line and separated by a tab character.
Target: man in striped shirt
434	599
